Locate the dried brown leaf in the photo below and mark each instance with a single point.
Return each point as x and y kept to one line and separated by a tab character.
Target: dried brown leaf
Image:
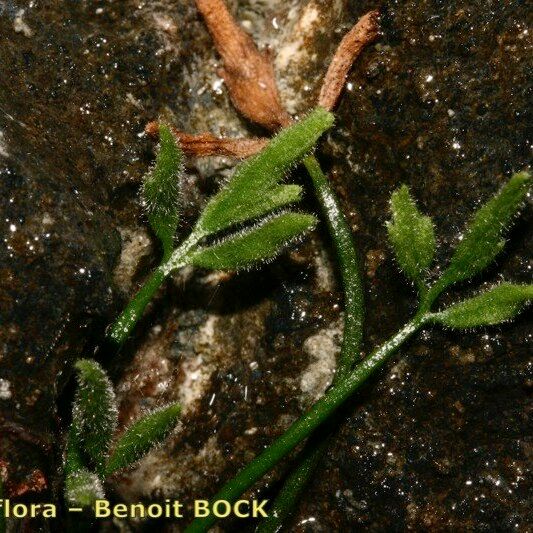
207	144
248	73
364	32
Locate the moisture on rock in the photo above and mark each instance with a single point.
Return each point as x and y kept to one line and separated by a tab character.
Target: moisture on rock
440	102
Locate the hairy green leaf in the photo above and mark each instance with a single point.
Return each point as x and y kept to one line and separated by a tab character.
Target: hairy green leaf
95	413
160	191
142	436
255	189
494	306
74	459
83	488
483	239
411	235
254	245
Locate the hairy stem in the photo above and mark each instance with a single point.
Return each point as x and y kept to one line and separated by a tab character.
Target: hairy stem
123	326
306	424
293	487
298	478
285	502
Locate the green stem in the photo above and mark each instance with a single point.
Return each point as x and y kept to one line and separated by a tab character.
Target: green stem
305	425
348	260
124	324
348	264
293	487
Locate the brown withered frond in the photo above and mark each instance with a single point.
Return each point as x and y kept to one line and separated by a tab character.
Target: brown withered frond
248	73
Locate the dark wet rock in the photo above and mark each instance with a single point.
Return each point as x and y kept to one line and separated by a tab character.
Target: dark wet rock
56	259
70	142
440	103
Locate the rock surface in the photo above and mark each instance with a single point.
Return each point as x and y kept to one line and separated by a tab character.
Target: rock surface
438	442
71	139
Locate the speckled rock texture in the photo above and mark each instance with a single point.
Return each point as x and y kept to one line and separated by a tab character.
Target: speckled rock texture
439	441
70	120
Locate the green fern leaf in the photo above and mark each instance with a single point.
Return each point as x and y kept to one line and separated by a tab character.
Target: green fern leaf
483	239
142	436
94	416
74	459
255	189
255	245
160	191
412	236
497	305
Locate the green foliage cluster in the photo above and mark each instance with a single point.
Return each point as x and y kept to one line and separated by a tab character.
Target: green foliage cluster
90	455
245	224
412	237
255	188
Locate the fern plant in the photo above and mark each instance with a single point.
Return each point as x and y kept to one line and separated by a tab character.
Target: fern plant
90	455
245	224
412	238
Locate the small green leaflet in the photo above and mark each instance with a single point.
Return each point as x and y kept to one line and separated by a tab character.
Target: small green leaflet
160	191
412	236
255	189
94	415
83	487
483	239
142	436
494	306
257	244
